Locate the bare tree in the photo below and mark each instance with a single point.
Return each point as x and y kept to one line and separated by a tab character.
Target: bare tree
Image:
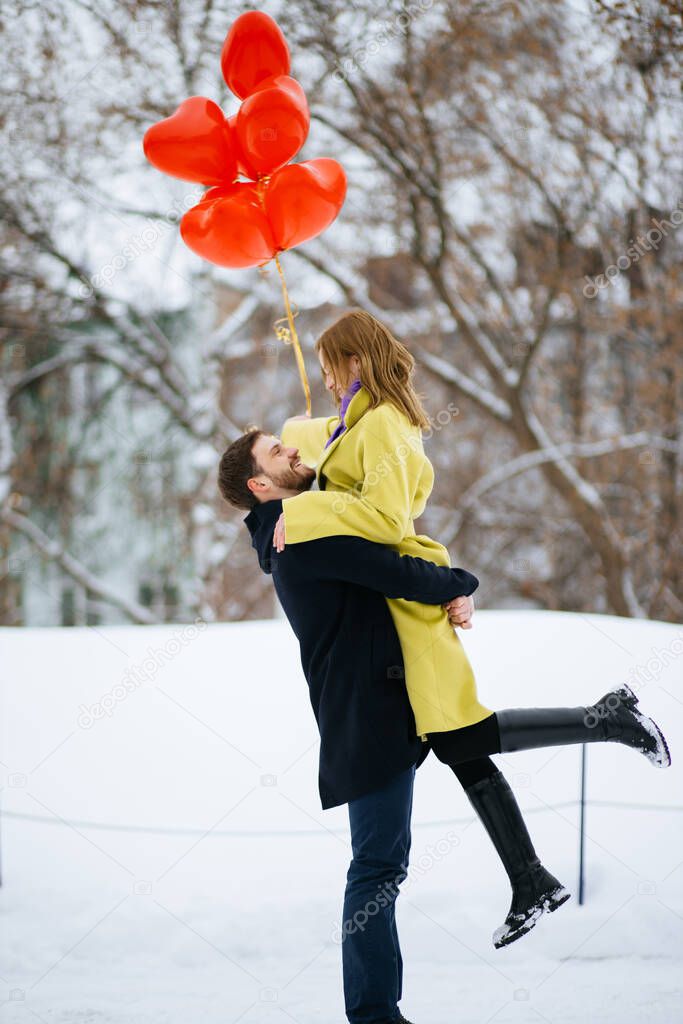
513	157
512	215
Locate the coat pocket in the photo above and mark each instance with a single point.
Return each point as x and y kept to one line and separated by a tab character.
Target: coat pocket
387	661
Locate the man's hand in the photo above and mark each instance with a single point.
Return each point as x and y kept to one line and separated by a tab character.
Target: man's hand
460	611
279	534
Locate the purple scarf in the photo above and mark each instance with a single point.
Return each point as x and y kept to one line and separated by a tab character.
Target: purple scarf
348	395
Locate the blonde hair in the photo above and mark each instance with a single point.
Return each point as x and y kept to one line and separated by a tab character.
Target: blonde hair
386	366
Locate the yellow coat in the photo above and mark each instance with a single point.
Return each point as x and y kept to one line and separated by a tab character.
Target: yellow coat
374	480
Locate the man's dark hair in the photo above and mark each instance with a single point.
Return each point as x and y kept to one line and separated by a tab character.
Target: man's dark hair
236	466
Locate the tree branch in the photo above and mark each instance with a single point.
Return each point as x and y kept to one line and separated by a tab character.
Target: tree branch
55	552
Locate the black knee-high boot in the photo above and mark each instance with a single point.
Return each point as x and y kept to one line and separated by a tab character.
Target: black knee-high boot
615	718
534	889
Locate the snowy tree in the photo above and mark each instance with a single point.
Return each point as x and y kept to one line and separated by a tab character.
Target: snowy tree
512	215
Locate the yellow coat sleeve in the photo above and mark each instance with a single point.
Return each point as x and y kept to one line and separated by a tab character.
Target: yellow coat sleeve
308	435
378	510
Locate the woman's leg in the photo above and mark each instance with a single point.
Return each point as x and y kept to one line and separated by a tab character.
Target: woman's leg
615	718
534	889
469	772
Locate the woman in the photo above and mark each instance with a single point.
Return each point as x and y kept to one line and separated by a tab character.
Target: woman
374	480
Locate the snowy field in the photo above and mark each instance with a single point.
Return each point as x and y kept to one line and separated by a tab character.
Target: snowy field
169	862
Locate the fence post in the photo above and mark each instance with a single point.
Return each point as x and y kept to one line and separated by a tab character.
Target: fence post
582	821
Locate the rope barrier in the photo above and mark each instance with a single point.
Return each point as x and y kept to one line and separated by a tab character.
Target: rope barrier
258	833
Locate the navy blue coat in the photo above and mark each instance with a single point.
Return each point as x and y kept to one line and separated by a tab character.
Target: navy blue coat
333	593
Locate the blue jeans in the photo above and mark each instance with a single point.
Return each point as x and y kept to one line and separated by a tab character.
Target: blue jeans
371	956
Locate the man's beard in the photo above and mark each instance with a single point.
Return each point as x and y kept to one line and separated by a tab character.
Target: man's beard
293	479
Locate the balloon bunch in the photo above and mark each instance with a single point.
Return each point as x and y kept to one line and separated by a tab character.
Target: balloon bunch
246	223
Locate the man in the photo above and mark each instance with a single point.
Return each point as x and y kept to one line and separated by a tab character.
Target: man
333	593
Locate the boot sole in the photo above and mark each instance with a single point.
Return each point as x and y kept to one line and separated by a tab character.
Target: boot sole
627	695
662	756
548	905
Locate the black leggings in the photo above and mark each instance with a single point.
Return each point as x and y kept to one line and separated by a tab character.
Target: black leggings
464	750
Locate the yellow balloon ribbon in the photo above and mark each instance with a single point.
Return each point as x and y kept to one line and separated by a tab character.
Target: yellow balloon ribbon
287	334
290	337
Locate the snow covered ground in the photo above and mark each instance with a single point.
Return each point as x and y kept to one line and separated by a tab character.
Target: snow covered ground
210	888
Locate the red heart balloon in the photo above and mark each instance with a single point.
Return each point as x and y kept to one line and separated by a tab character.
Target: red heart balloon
271	125
254	49
194	143
230	228
220	191
303	199
232	121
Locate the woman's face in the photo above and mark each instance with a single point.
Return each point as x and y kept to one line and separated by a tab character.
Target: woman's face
349	369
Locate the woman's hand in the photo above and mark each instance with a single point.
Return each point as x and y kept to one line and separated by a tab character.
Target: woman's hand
460	611
279	534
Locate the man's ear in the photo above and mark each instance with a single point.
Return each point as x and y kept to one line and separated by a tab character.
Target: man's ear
255	485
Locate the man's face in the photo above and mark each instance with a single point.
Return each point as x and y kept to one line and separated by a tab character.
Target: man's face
281	469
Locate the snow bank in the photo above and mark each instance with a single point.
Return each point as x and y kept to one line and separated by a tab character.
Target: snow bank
165	857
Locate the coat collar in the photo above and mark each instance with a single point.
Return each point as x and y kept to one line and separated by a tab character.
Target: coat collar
355	409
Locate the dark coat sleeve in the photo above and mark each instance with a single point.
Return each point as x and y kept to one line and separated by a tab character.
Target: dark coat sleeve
378	567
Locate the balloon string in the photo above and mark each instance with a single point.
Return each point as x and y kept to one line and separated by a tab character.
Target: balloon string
294	338
288	336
